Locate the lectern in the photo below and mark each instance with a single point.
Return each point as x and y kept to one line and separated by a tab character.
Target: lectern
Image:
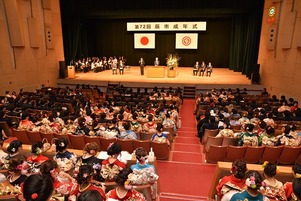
71	72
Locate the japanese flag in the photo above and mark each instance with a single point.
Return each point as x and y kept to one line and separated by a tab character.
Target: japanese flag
144	41
186	41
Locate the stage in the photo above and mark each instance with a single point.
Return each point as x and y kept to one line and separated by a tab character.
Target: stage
220	78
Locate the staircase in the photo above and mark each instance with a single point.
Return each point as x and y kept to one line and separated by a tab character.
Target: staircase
174	196
189	92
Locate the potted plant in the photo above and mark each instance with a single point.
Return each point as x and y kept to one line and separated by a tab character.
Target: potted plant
172	62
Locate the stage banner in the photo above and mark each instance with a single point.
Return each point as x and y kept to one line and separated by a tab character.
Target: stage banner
144	41
186	41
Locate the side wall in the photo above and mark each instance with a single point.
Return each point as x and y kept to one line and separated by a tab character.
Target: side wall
31	44
280	51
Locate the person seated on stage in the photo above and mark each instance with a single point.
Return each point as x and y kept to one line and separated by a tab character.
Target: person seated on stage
209	69
105	63
110	61
196	68
202	68
156	62
121	67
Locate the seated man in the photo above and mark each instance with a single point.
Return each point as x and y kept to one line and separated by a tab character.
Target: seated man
196	68
202	68
209	69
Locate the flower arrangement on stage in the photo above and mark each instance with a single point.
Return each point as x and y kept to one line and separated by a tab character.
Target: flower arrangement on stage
172	61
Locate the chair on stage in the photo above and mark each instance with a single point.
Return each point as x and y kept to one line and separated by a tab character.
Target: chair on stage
253	154
146	144
289	155
209	132
105	142
77	141
126	145
34	136
212	141
96	139
235	152
271	154
216	153
161	150
21	135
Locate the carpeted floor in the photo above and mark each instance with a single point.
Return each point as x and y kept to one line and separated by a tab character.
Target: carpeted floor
185	176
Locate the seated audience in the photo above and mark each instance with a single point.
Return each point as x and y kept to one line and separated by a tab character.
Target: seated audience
18	168
37	149
37	188
159	136
127	133
229	185
124	191
248	138
253	183
288	187
13	150
90	195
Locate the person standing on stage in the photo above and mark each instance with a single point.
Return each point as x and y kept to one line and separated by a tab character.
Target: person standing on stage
196	68
202	69
121	67
156	62
142	64
209	69
114	66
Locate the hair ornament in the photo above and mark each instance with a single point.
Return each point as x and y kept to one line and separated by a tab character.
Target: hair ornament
250	182
39	151
234	169
34	196
264	164
53	173
110	144
62	144
13	150
298	175
85	175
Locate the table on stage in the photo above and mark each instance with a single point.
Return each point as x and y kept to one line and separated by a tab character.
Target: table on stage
155	71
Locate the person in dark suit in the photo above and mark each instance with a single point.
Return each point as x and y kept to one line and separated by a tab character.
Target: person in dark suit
202	69
121	67
209	69
196	68
210	125
142	64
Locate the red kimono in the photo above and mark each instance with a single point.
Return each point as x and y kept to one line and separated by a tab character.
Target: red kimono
228	183
131	195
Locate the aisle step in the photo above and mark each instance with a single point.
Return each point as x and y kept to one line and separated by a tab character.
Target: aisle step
173	196
191	157
187	140
187	147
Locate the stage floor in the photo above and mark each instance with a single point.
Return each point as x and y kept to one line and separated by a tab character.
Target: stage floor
132	77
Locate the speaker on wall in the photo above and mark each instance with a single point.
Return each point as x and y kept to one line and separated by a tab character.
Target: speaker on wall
255	74
63	70
48	36
272	37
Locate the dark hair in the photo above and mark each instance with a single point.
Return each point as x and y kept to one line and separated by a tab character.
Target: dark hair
262	124
160	127
127	125
14	146
297	188
81	121
250	127
122	176
270	130
37	184
270	169
257	176
15	161
47	166
85	173
140	152
239	168
61	144
297	168
36	147
90	195
115	148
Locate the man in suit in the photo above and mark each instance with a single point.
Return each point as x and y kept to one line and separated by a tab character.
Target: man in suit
209	69
142	64
202	69
196	68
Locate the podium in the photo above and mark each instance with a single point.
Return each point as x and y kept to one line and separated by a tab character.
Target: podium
155	72
71	72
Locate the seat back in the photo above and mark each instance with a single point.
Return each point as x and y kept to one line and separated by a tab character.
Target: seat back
21	135
126	145
230	141
6	128
289	155
34	136
146	144
96	139
235	152
212	140
145	136
47	136
161	150
77	141
105	142
253	154
271	154
209	132
171	133
216	153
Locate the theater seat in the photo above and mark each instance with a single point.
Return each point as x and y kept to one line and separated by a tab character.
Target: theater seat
161	150
21	135
216	153
253	154
77	141
146	144
34	136
289	155
235	152
90	139
212	141
271	154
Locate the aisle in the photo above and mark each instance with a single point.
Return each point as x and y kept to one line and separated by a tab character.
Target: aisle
183	176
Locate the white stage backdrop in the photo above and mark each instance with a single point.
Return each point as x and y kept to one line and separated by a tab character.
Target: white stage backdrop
186	41
144	41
